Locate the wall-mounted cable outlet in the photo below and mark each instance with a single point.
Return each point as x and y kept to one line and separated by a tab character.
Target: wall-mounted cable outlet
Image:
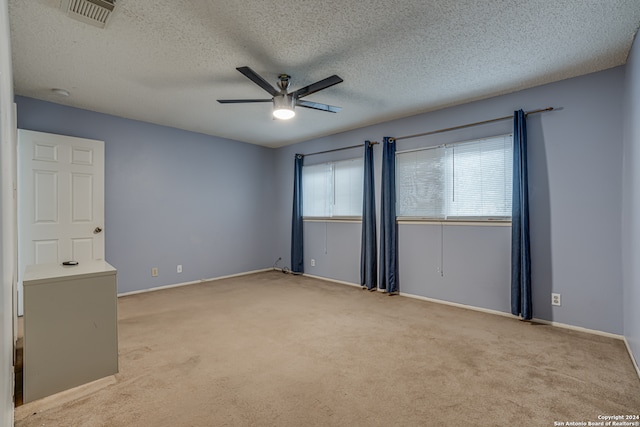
154	272
555	299
179	268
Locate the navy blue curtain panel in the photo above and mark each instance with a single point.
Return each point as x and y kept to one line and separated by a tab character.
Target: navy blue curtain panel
297	254
388	228
368	252
520	255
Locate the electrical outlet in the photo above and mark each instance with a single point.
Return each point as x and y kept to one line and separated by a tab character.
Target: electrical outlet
154	272
313	263
555	299
179	269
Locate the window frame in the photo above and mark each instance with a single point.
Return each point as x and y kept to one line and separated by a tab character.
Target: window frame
334	218
453	220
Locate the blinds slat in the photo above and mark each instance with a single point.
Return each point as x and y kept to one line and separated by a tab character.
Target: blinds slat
470	179
333	189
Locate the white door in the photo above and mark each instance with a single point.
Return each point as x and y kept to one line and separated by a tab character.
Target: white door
60	200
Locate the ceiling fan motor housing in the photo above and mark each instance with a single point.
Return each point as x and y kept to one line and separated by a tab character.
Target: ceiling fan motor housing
284	82
284	101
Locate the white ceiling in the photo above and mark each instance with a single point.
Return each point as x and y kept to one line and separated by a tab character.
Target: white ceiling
167	61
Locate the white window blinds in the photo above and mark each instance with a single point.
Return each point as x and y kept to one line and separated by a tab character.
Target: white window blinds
333	189
317	190
420	182
469	180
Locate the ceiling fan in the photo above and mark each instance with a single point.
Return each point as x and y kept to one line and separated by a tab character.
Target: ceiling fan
283	101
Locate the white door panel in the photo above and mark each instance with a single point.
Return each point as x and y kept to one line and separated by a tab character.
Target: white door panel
60	200
45	251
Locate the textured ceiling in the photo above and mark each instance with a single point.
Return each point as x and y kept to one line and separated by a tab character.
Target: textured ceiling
167	61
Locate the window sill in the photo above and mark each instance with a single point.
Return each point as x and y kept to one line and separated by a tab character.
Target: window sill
354	219
475	222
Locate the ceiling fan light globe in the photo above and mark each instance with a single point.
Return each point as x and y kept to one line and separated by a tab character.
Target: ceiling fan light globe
283	107
283	113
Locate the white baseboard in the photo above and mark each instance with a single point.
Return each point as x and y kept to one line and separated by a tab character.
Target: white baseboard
326	279
458	305
633	359
342	282
63	397
486	310
195	282
579	329
546	322
509	315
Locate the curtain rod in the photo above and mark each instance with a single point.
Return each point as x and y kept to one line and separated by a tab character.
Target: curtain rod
499	119
339	149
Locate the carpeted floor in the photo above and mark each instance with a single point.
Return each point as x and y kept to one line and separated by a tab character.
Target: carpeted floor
277	350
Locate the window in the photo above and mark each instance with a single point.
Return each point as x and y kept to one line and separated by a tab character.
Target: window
333	189
469	180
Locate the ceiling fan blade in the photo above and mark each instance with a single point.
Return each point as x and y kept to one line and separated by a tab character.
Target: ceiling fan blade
317	106
255	77
317	86
242	101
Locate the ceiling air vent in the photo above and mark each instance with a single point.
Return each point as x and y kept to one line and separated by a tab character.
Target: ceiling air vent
94	12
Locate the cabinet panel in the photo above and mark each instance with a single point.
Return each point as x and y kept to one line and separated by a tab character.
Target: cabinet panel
70	327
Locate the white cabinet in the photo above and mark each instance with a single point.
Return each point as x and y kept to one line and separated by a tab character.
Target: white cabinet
70	326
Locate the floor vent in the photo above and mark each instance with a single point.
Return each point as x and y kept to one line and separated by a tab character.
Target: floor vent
94	12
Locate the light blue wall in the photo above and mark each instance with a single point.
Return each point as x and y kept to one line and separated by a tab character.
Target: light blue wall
457	263
172	197
335	247
575	187
164	189
631	202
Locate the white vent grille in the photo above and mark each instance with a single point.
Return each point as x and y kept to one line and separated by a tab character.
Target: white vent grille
94	12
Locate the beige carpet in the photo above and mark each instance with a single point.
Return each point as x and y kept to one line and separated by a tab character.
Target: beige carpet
277	350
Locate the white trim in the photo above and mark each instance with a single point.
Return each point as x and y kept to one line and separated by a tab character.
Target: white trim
458	305
8	215
482	223
633	359
333	219
504	314
195	282
490	311
58	399
579	329
342	282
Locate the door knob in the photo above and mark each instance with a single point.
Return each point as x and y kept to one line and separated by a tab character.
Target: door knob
97	230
